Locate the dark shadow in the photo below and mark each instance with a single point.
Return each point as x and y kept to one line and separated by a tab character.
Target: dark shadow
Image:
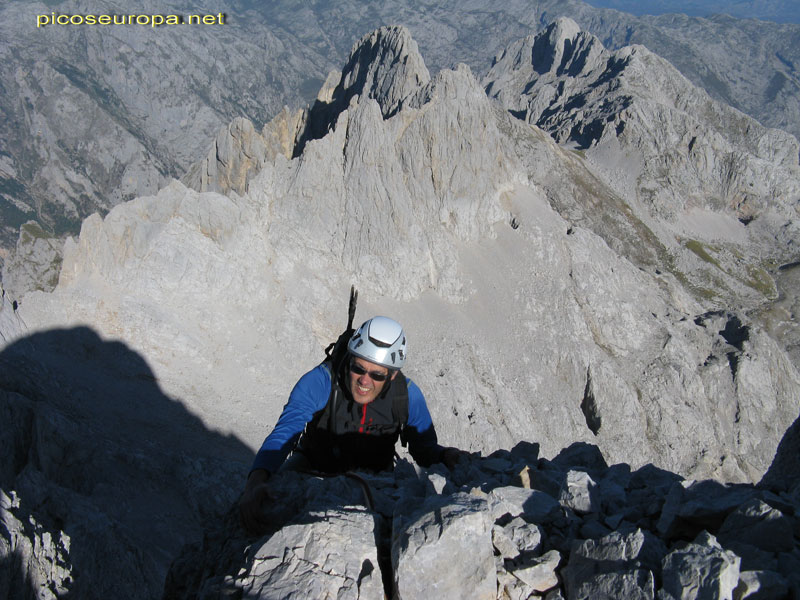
322	115
784	472
213	568
93	447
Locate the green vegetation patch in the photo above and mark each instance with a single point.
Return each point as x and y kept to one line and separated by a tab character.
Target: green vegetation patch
33	231
760	280
702	251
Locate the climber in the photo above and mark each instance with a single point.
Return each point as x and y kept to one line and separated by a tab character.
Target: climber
346	414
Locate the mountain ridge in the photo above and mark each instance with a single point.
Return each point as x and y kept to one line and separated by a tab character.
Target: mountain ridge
153	119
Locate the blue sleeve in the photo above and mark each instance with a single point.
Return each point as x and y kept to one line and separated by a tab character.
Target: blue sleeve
419	431
309	395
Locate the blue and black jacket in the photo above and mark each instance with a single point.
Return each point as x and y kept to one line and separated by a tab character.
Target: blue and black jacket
336	434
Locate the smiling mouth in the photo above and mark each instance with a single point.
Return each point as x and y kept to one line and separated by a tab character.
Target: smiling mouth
363	390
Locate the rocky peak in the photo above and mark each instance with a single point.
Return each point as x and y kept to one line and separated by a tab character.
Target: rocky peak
559	49
239	152
694	170
384	65
559	45
566	82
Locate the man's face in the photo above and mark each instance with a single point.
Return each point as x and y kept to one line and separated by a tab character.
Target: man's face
362	386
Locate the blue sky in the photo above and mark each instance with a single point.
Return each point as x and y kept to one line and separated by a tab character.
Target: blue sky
782	11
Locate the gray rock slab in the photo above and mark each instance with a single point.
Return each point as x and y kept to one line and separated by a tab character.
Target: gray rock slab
579	492
760	585
527	537
535	506
758	524
503	543
615	564
701	570
635	584
511	588
428	550
539	573
694	506
331	554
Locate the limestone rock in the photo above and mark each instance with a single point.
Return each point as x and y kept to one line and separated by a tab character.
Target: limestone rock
423	548
760	585
700	570
34	562
634	584
239	152
335	556
35	263
539	573
758	524
579	492
446	542
692	506
616	565
537	506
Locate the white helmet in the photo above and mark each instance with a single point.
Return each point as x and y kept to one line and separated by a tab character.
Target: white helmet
380	340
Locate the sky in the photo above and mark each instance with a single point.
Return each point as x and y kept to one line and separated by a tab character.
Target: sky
782	11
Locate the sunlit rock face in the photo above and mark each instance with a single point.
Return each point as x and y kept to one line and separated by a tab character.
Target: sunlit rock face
542	300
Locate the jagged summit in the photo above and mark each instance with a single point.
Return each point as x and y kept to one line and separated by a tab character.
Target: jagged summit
562	43
384	65
632	103
559	49
700	175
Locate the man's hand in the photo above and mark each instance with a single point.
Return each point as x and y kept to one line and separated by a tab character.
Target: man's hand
451	457
251	503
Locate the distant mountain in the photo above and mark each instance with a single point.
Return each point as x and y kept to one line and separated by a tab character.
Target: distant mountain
90	117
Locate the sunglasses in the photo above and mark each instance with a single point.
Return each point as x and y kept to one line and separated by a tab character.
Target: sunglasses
374	375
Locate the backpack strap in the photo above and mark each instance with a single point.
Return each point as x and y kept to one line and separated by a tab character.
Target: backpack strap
400	404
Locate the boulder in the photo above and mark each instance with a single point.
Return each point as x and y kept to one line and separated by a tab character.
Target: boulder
701	570
425	542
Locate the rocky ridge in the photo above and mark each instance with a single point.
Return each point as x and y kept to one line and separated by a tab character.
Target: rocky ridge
692	150
686	165
506	526
144	127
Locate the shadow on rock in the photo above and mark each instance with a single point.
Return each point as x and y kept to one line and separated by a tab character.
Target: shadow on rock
508	525
784	472
104	477
326	539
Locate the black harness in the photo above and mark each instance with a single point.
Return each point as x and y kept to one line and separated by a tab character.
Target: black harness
347	436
